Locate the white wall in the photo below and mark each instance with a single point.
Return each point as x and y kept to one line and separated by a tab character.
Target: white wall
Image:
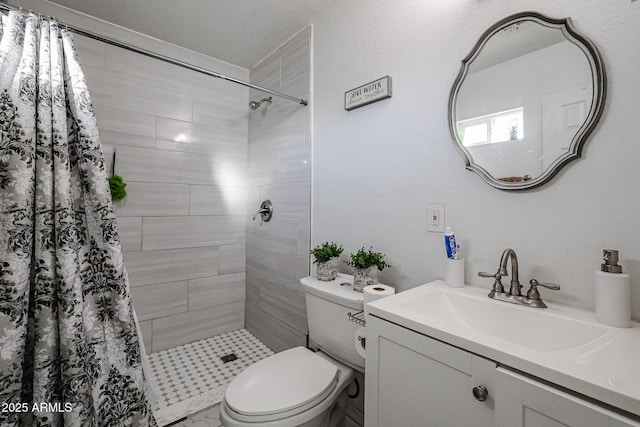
376	168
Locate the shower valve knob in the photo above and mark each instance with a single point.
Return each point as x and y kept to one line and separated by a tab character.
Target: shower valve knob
265	211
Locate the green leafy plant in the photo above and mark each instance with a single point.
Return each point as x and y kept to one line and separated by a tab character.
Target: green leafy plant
364	259
116	185
513	133
326	251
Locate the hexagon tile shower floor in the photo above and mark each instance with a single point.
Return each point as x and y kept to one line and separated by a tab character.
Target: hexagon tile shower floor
194	376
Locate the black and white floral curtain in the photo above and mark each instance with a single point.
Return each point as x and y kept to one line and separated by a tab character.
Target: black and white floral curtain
69	352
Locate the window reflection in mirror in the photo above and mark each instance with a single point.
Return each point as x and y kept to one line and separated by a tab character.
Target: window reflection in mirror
492	128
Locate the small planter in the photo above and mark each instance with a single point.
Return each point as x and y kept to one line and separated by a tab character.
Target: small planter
364	277
366	265
327	270
326	256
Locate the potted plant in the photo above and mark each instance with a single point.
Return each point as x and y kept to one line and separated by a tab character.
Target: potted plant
326	256
366	265
513	133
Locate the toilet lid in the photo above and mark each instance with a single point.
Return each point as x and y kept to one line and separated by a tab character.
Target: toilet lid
291	379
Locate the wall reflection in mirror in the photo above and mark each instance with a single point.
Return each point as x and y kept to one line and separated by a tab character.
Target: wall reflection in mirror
527	96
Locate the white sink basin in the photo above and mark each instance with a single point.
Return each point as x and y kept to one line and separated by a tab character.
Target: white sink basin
559	344
535	328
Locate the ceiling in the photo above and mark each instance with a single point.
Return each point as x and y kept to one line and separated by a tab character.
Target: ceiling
241	32
515	40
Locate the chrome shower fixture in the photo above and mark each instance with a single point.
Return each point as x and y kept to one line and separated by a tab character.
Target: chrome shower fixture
255	104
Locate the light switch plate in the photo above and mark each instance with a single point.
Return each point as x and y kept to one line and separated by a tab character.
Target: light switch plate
435	217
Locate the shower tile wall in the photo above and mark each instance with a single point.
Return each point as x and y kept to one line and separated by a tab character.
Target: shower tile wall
182	141
279	170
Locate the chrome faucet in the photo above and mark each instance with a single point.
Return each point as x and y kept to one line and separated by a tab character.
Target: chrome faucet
510	254
514	295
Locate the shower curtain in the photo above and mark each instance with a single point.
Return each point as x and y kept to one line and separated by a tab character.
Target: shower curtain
69	352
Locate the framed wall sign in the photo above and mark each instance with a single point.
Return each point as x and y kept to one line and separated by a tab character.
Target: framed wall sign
374	91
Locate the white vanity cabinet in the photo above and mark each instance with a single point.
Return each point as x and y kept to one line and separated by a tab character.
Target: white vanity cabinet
415	381
525	402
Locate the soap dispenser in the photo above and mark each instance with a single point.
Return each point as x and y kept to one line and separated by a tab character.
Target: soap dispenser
612	292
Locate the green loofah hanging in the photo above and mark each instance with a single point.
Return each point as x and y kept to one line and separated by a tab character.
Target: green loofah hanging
117	184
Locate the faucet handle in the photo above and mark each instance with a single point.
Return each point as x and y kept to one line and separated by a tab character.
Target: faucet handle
489	275
497	285
534	296
552	286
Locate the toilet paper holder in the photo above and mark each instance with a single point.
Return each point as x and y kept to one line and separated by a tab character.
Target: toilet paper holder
357	318
380	292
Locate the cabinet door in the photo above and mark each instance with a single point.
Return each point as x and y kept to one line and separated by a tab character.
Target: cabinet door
524	402
415	381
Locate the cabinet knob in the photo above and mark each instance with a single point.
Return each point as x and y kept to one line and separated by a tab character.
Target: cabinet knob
480	392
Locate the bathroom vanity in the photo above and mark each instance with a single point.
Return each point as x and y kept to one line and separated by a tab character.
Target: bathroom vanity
439	356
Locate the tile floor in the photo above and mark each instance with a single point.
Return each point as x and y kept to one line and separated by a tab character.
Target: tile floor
192	377
208	418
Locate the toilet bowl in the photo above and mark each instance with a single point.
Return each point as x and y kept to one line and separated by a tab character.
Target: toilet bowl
299	387
296	387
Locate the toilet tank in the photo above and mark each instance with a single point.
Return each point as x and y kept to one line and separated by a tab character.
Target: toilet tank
328	304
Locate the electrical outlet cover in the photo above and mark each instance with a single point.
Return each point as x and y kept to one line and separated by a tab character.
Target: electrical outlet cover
435	217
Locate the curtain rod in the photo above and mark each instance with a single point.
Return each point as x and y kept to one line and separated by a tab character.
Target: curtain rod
132	48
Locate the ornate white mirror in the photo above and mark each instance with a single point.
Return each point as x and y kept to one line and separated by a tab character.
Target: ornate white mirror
526	99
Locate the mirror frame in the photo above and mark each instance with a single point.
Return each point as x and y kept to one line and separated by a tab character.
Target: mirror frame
595	112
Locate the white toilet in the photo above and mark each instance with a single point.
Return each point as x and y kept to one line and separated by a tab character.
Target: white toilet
298	387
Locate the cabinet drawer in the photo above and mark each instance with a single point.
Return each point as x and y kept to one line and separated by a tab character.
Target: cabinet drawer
523	401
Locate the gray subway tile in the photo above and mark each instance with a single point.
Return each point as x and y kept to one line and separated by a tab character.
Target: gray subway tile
217	200
159	166
274	333
216	290
159	300
232	258
130	233
154	199
191	231
183	328
149	267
